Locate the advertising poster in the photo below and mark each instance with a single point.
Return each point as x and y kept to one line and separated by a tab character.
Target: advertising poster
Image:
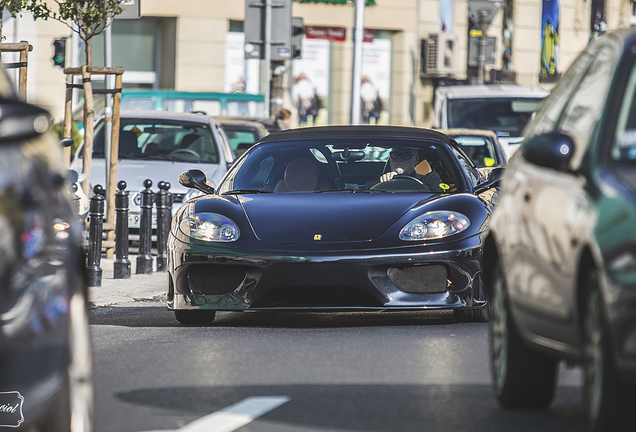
376	81
598	24
446	15
550	16
310	86
507	34
241	76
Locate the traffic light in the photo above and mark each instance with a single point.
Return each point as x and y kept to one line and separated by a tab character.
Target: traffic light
298	30
59	53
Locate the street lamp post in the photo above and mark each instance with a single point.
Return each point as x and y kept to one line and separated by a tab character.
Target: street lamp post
356	76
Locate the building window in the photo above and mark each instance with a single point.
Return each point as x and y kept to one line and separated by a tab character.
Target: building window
144	47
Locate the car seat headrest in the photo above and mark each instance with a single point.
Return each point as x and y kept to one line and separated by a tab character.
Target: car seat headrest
301	175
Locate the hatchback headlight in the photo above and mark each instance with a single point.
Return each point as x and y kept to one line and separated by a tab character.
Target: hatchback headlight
210	227
434	225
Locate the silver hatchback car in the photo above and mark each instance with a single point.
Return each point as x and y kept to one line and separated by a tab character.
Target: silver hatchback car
159	146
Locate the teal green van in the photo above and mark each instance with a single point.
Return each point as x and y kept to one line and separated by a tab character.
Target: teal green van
210	103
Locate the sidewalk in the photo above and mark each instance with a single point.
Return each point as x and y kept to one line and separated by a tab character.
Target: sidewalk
140	287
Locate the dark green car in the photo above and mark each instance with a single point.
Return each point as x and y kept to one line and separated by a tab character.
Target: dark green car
560	254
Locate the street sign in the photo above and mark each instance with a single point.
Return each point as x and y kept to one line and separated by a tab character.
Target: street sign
482	12
130	9
254	28
490	51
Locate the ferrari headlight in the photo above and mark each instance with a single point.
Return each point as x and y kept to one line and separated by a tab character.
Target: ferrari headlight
434	225
210	227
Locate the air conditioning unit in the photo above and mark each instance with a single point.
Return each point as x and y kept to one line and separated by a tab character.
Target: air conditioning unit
440	54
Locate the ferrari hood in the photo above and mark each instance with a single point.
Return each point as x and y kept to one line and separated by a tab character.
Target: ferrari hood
326	217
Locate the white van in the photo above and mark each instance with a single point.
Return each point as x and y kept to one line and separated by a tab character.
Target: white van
503	108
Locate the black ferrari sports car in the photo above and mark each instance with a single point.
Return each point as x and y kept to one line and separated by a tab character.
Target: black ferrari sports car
338	218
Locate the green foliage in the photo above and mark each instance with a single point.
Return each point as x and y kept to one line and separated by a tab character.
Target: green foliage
13	6
86	17
90	16
57	130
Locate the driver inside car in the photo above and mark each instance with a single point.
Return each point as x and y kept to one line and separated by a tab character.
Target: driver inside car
405	161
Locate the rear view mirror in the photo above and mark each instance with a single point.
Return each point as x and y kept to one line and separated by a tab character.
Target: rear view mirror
19	120
66	142
347	156
495	176
195	179
552	150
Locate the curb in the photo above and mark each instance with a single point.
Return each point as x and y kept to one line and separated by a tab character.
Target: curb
138	288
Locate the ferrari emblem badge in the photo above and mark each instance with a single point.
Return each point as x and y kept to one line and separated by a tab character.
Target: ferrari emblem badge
317	236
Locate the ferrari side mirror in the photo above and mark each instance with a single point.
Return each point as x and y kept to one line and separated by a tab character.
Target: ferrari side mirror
195	179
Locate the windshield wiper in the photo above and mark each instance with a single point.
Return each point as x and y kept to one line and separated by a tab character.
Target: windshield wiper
244	191
352	189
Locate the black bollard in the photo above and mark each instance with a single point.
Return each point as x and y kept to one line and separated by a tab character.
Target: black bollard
95	231
121	265
144	259
163	198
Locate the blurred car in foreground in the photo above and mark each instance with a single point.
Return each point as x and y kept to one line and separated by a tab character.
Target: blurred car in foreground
301	222
159	146
503	108
242	134
560	256
45	353
482	146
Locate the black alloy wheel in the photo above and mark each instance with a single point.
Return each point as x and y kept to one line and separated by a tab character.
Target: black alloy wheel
608	403
522	377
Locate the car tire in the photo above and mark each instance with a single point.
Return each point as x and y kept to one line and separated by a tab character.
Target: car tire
194	317
608	402
472	315
522	377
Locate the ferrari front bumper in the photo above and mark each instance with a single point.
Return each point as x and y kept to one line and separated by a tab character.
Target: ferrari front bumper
410	278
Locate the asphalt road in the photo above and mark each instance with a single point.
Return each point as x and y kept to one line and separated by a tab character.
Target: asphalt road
355	372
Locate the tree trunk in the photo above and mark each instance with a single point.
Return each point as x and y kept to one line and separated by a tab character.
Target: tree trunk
89	115
1	16
89	57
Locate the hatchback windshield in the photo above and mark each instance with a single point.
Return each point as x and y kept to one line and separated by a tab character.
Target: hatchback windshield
161	140
328	165
505	116
480	149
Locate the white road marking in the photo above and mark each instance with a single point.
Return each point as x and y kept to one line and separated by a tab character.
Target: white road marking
235	416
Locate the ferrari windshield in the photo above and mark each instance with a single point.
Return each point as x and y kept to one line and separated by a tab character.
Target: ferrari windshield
351	165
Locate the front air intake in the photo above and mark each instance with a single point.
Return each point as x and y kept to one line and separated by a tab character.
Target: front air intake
424	279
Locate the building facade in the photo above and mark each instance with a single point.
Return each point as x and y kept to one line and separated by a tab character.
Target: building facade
411	46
